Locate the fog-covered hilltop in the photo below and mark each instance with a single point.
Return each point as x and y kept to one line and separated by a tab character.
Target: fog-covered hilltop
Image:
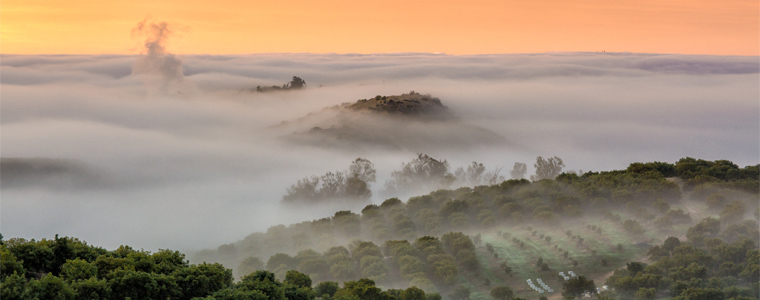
411	121
46	172
411	106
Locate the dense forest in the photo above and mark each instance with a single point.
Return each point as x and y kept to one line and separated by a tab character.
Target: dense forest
684	230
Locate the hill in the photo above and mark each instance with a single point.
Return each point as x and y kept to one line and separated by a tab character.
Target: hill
475	239
410	121
495	241
412	105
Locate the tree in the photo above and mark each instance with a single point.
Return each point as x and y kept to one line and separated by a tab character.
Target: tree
332	185
50	287
279	259
141	285
606	295
635	267
707	228
9	263
263	282
238	294
492	177
547	169
78	269
202	280
645	293
474	173
63	250
297	278
326	288
92	288
293	292
342	270
661	205
433	296
306	189
363	289
351	185
501	292
363	170
545	267
373	268
248	266
518	171
733	212
413	293
356	188
297	83
633	227
577	286
696	293
671	243
444	269
422	173
14	287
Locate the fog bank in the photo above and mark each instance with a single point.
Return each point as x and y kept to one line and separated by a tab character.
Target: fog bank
197	165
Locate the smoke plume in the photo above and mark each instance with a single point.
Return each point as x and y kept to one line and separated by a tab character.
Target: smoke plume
162	69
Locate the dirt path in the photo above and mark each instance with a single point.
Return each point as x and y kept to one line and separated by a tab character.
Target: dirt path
690	207
695	212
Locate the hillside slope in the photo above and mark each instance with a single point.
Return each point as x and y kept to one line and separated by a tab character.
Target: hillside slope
410	121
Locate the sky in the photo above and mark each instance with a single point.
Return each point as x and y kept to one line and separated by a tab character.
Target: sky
713	27
162	151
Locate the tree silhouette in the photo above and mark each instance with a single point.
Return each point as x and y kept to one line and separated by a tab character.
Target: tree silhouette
297	83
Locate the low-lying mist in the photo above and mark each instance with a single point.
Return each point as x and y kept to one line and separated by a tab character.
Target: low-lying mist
191	161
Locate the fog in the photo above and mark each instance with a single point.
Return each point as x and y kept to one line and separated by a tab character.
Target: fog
179	153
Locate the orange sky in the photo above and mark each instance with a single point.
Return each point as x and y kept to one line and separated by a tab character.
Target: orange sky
373	26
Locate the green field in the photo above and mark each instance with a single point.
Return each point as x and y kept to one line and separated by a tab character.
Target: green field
589	254
522	261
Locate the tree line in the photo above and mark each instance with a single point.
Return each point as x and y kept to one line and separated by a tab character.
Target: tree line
420	175
67	268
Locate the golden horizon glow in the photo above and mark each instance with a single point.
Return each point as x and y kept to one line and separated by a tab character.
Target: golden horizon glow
730	27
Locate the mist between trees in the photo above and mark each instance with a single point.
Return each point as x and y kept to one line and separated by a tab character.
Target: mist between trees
446	241
466	243
420	175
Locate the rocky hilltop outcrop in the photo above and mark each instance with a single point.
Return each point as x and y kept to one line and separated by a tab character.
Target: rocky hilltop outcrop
411	121
412	105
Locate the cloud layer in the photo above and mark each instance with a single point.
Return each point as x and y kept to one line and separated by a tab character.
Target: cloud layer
196	165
